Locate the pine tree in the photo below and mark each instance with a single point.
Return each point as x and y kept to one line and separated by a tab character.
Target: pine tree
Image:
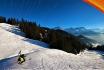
2	19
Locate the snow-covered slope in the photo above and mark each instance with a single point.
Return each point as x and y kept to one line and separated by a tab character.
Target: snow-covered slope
51	59
40	58
11	44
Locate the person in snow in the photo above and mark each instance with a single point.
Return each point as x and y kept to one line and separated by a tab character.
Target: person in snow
21	58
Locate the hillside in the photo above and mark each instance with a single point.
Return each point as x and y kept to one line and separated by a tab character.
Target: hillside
13	43
40	58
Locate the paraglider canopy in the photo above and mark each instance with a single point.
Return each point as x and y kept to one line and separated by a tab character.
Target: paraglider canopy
98	4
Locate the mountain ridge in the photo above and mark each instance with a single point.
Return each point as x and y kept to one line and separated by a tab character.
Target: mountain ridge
40	58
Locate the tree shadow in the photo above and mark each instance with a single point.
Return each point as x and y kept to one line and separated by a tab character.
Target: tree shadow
36	42
5	63
14	30
17	31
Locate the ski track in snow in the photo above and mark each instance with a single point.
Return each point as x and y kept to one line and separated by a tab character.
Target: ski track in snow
39	58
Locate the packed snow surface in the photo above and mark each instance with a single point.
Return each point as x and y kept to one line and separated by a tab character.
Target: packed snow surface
40	58
51	59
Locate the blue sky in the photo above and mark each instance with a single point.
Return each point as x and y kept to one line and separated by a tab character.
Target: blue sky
54	13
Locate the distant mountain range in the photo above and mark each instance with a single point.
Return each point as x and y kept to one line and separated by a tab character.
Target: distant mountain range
94	34
85	35
83	31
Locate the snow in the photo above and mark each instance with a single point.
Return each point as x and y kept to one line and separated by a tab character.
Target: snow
40	58
52	59
11	43
11	28
95	44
